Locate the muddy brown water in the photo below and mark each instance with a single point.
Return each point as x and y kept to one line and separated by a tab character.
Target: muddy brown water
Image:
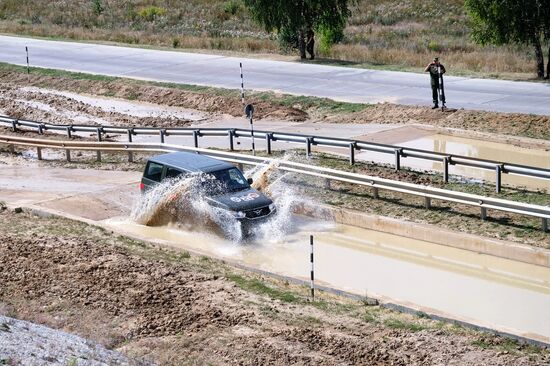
472	148
480	289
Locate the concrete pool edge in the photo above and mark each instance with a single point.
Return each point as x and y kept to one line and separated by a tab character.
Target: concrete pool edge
386	302
499	138
430	233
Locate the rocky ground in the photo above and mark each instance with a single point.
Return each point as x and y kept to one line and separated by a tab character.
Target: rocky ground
170	308
50	347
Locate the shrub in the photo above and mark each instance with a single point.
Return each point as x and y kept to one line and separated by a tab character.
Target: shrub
328	37
97	7
150	13
175	42
434	46
232	7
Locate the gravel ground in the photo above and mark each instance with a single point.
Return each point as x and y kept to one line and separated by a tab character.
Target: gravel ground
26	343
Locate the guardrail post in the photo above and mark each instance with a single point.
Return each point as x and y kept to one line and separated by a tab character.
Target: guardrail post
68	155
130	132
162	133
231	134
352	153
427	202
446	169
327	183
375	193
484	213
498	172
40	129
14	125
196	138
268	137
397	153
98	152
69	131
544	225
309	140
39	153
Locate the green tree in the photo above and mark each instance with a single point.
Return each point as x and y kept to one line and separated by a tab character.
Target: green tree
294	18
508	21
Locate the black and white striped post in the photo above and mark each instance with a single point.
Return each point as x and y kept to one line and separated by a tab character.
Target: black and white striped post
312	271
27	51
249	111
242	82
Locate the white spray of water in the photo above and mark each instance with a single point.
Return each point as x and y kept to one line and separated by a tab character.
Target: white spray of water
183	202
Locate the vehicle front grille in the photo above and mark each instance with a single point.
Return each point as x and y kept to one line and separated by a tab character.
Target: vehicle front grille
259	212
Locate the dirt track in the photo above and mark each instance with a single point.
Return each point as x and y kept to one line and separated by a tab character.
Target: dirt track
171	309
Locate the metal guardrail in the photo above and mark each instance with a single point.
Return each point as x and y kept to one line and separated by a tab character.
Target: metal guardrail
352	146
375	183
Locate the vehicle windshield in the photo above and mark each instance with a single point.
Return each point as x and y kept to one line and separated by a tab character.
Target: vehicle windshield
223	181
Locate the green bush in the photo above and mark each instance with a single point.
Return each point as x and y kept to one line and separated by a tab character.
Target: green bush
328	37
150	13
434	46
97	7
231	7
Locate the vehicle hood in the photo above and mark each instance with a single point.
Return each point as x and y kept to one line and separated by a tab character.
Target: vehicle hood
244	200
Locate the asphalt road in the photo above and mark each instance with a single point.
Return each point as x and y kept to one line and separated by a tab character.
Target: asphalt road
339	83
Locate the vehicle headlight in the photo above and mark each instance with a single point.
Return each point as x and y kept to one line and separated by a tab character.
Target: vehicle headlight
272	207
238	214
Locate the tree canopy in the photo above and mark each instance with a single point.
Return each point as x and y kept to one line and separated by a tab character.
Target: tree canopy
296	17
508	21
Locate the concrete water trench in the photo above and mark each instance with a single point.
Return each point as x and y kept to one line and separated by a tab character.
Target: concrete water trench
478	289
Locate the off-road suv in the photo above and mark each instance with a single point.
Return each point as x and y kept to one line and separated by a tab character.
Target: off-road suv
223	184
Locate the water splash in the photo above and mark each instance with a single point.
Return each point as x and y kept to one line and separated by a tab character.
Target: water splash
183	202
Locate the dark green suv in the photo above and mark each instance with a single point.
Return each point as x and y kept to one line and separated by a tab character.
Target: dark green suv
226	187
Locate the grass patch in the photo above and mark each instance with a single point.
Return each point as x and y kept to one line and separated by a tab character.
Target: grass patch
321	104
405	325
259	287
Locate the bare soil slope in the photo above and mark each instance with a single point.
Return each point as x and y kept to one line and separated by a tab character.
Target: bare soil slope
174	309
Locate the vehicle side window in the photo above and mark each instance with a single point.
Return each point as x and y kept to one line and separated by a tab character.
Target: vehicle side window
235	175
173	173
153	171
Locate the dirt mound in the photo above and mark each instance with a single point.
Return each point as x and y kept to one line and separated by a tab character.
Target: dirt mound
175	97
59	109
514	124
162	299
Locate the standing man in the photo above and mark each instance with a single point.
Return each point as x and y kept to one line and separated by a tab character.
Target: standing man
310	43
434	68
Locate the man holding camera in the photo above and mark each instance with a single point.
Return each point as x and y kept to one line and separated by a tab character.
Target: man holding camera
436	69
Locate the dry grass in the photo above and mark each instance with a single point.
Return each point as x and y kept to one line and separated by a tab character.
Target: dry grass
383	33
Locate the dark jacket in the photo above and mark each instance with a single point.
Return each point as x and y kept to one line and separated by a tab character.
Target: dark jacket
432	69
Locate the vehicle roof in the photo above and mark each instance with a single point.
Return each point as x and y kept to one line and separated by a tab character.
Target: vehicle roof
191	162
